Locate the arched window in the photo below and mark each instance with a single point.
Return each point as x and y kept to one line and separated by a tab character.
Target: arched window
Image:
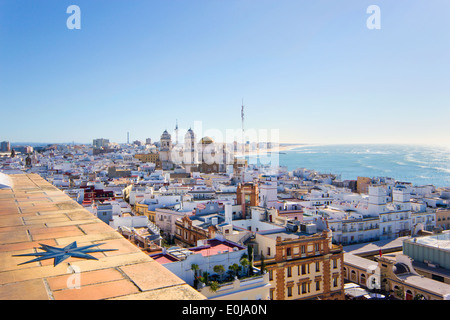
345	273
363	279
353	276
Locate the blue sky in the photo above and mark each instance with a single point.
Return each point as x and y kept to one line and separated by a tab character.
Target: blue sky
311	69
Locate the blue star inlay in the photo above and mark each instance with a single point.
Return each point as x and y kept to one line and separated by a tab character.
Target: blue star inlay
61	254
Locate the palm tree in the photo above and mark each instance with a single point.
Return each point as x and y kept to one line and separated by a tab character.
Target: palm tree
234	269
194	267
220	269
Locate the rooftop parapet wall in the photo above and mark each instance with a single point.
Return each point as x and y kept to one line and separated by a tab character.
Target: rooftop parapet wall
34	212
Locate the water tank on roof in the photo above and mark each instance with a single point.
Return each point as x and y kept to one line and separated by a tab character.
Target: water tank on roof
292	227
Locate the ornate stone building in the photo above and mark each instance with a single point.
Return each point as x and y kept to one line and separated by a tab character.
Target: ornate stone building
305	268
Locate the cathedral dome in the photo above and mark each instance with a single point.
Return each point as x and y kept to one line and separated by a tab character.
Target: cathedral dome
206	140
165	135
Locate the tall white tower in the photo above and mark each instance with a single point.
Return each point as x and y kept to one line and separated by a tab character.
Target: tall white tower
190	155
377	199
401	198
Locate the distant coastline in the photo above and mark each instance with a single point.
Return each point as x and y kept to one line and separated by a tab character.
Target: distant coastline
278	149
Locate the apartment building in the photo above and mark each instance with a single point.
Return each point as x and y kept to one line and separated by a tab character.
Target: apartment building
302	266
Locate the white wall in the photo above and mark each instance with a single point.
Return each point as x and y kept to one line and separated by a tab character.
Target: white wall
183	268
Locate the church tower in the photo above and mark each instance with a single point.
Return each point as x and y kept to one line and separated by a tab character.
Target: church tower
190	155
165	151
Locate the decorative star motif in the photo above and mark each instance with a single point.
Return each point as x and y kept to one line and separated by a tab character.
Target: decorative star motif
61	254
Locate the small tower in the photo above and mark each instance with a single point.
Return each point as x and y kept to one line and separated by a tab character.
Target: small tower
165	150
190	153
401	198
377	199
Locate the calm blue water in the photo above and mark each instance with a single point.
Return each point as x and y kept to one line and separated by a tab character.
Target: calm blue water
420	165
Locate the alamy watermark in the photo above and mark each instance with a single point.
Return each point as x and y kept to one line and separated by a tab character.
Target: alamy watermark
74	20
215	146
374	20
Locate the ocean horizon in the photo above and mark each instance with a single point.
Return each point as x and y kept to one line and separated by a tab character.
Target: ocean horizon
418	164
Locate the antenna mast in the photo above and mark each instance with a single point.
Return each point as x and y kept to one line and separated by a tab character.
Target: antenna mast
176	131
242	118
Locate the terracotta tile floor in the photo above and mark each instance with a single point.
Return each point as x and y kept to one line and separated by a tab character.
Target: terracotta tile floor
35	212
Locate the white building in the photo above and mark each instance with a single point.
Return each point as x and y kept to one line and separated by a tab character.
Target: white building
190	151
268	191
206	256
138	194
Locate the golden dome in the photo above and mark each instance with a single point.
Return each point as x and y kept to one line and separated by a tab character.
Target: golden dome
206	140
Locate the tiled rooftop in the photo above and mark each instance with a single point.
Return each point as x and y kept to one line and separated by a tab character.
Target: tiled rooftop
35	212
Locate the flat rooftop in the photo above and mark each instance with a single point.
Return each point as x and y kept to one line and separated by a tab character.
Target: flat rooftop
440	241
213	247
371	248
34	212
163	258
286	235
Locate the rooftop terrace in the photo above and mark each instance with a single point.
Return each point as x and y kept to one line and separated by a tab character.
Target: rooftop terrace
34	212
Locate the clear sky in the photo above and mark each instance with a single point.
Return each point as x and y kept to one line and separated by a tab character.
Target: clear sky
311	69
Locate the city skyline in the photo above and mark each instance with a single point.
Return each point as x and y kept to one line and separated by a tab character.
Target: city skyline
314	71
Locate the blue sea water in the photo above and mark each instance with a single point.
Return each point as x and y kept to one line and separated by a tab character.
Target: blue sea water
420	165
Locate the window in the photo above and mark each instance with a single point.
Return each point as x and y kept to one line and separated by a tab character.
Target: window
270	275
303	268
289	291
304	287
363	279
303	249
288	251
335	282
317	267
334	263
437	278
317	285
289	271
268	251
317	247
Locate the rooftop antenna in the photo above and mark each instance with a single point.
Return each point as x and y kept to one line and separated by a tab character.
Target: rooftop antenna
242	118
176	131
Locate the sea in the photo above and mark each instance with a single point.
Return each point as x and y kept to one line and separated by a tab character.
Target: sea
420	165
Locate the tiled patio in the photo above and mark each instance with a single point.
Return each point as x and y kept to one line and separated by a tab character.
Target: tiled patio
35	212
